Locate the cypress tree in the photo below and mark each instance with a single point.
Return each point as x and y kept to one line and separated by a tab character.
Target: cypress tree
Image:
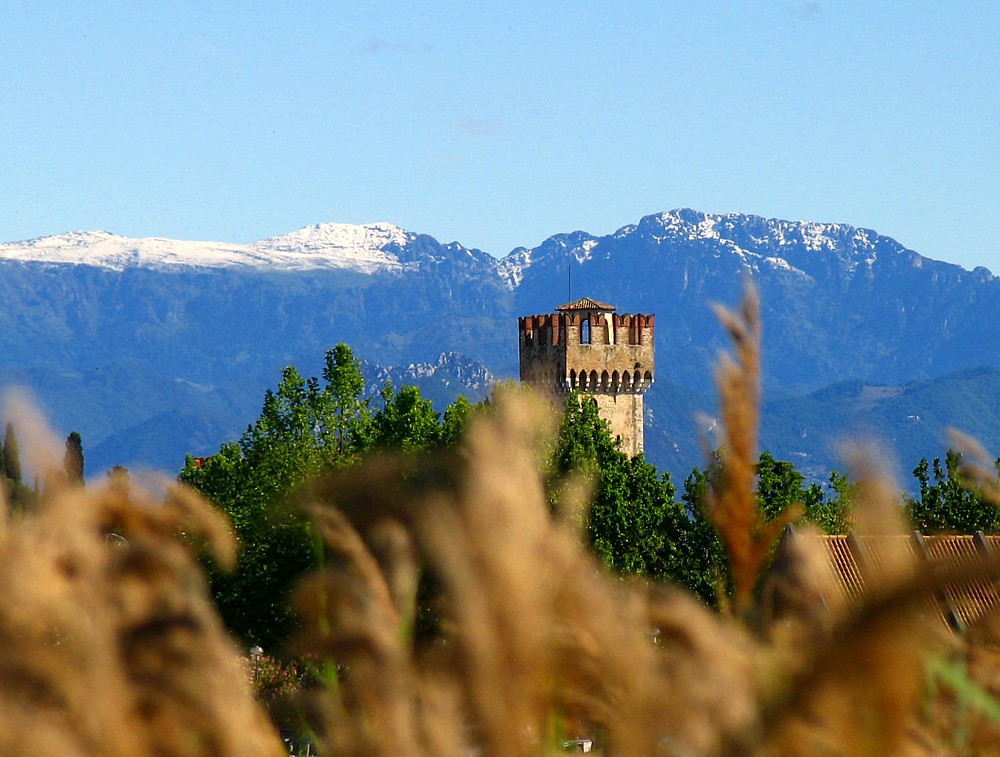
11	455
73	460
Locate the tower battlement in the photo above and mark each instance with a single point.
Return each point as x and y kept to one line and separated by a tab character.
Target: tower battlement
588	347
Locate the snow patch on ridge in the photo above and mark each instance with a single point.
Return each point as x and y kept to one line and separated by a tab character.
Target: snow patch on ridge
512	267
706	228
585	251
784	265
815	237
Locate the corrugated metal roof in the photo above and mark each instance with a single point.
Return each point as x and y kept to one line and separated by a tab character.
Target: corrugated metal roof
857	559
585	303
975	598
846	568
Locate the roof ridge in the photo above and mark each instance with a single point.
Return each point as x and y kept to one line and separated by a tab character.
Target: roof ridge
586	303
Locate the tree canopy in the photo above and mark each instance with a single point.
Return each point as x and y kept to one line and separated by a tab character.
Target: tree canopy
636	525
306	427
946	503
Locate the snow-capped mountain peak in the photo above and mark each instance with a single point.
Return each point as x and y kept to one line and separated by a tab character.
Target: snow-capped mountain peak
367	248
104	250
339	235
363	248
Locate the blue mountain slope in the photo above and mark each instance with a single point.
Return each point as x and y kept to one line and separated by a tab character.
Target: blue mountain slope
153	336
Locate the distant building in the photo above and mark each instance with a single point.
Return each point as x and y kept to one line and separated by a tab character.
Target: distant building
585	345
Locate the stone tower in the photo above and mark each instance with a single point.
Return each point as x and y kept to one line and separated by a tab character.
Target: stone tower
587	346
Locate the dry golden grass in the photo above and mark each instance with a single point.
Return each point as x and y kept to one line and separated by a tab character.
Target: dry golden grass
732	503
539	642
111	646
113	649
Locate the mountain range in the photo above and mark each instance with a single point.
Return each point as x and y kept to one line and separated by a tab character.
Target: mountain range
151	348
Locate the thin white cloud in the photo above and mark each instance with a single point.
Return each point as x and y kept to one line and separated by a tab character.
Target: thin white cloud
479	127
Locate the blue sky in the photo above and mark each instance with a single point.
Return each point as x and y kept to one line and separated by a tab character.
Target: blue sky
500	124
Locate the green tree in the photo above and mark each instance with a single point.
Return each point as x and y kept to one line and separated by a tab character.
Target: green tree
584	441
406	421
20	496
636	525
832	514
779	486
706	571
11	455
253	481
276	542
945	503
455	420
305	427
73	458
345	386
631	524
283	440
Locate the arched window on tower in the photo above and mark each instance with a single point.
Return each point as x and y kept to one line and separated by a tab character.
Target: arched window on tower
585	331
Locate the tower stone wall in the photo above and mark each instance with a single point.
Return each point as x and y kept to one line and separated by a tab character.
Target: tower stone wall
587	346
